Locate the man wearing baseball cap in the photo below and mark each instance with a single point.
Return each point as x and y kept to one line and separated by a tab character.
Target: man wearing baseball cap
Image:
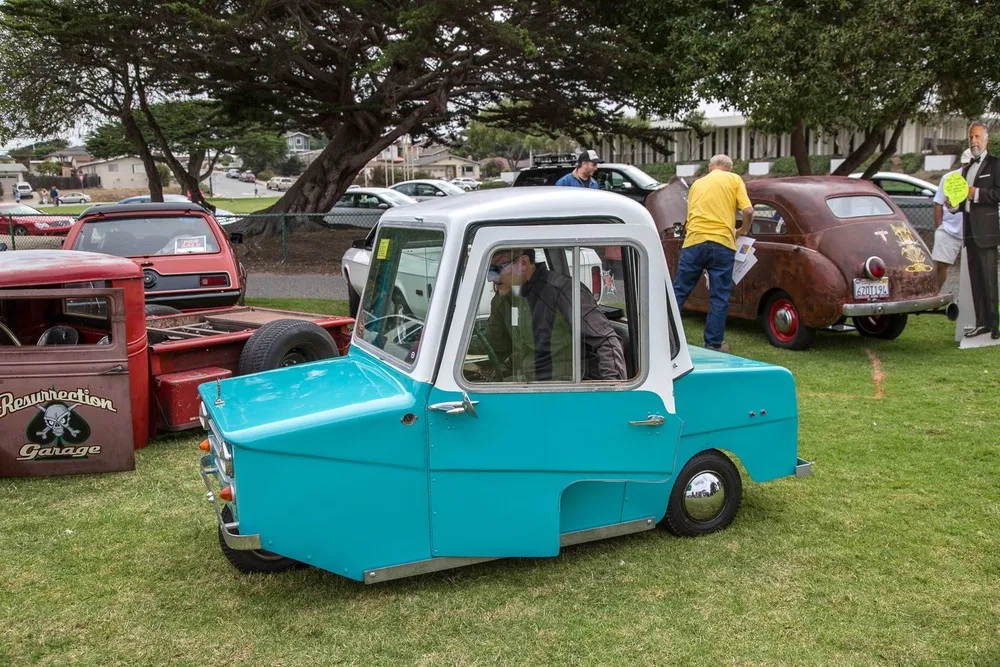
583	175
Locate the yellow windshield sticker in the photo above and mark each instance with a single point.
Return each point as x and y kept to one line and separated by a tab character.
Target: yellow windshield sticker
383	249
956	189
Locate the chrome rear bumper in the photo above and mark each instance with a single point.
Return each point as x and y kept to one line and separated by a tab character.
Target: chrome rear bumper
897	307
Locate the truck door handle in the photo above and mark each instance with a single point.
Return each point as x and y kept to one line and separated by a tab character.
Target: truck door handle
464	406
114	370
651	420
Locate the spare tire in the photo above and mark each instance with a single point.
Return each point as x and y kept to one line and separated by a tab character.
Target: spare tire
285	343
155	309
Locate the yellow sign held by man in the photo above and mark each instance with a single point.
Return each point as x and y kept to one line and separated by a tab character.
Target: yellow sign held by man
956	189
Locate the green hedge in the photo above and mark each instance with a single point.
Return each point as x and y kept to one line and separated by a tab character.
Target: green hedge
265	175
784	166
492	185
912	162
740	167
661	171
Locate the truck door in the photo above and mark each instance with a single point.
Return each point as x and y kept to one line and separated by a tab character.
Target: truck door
548	404
64	383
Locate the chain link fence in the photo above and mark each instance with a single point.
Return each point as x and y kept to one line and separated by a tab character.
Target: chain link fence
296	242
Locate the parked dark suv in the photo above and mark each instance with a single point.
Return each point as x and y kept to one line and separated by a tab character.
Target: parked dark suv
624	179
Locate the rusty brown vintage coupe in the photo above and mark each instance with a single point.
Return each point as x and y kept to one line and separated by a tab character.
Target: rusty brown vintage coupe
828	250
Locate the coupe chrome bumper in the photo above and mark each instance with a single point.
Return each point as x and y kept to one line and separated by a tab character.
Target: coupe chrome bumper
896	307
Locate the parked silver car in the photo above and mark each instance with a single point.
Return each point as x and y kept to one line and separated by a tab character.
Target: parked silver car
362	207
427	188
913	195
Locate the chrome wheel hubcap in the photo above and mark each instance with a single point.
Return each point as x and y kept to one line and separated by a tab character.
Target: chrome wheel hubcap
784	320
705	496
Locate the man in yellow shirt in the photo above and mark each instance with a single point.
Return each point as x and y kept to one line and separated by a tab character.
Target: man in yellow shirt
710	242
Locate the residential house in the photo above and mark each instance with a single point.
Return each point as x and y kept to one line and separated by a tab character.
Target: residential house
71	158
298	142
119	172
11	173
440	163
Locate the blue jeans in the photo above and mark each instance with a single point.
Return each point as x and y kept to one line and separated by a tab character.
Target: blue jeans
718	260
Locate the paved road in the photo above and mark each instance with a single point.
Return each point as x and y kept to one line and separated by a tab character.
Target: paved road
296	286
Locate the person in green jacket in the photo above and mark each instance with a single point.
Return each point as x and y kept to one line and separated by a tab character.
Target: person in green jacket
529	325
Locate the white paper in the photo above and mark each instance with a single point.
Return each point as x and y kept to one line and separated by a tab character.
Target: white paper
744	248
740	269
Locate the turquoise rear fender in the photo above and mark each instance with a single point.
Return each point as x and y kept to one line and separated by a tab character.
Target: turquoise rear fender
746	407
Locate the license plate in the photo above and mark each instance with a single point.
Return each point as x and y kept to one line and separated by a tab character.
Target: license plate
871	289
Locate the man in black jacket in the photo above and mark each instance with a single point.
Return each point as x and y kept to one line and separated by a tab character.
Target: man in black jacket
982	231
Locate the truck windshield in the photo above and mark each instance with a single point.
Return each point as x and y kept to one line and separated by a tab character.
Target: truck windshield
142	237
404	266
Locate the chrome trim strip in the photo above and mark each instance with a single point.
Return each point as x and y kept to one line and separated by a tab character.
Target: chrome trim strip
896	307
803	468
379	575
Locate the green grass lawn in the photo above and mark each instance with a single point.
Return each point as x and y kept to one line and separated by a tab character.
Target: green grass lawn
887	555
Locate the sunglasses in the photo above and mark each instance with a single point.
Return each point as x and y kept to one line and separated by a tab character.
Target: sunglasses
493	274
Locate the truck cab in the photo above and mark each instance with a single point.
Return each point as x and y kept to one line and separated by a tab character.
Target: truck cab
447	436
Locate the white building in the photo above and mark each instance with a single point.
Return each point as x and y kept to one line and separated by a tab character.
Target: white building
119	172
9	175
298	142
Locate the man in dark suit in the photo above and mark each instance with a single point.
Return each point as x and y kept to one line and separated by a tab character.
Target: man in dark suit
982	231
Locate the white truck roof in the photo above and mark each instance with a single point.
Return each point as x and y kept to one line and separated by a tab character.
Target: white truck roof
520	205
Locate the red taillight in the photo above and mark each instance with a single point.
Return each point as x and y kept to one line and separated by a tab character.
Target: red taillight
875	268
213	281
595	280
227	494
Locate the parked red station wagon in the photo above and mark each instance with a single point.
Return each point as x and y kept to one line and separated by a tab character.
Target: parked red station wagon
827	249
186	257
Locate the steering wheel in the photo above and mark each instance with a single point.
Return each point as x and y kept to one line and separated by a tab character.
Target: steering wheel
491	354
10	334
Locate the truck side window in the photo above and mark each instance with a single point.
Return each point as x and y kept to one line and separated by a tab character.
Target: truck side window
401	279
526	331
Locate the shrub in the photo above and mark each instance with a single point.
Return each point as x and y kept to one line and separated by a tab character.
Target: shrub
784	166
819	164
265	175
490	185
702	169
912	162
164	172
661	171
740	167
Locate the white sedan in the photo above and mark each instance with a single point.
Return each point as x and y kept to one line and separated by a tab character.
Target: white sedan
74	198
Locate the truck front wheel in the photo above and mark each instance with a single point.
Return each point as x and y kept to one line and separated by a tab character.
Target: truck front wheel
706	496
253	561
285	343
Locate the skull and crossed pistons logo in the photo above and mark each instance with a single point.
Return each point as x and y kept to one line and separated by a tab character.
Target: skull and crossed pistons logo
58	422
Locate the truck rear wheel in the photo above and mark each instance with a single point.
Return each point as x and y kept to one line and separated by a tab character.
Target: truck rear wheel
285	343
253	561
887	327
706	496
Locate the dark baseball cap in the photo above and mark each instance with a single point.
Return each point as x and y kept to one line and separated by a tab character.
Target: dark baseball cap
588	156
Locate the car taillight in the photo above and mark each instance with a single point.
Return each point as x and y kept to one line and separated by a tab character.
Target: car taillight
595	280
214	281
875	268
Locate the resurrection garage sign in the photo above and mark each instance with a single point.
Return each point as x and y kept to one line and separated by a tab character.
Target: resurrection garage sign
59	431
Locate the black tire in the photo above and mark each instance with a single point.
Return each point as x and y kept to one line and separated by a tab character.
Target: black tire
253	561
156	309
886	327
285	343
783	325
20	230
353	301
694	516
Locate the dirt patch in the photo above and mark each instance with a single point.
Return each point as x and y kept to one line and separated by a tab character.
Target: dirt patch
305	251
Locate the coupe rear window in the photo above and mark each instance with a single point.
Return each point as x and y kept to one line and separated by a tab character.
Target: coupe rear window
861	206
142	237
